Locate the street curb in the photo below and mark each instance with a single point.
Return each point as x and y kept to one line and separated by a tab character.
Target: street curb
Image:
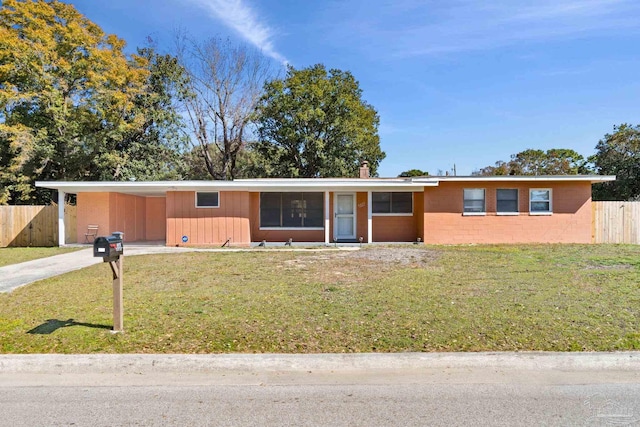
179	363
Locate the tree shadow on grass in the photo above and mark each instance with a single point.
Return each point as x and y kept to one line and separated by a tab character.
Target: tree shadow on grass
53	325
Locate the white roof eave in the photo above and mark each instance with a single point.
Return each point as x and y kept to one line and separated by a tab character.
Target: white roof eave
161	187
551	178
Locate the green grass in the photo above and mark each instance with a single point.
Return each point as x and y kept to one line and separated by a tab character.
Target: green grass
452	298
10	256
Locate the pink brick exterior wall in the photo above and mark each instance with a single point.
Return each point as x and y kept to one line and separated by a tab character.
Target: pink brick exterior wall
569	223
437	218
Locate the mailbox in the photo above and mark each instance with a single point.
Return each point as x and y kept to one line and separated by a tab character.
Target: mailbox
109	247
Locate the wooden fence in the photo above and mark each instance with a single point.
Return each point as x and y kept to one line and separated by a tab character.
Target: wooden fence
616	222
34	225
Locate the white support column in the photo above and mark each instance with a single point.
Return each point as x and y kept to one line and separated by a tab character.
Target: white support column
327	217
369	218
61	227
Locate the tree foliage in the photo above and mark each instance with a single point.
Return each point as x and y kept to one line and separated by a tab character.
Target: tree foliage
155	147
556	161
223	88
314	123
413	172
73	106
618	154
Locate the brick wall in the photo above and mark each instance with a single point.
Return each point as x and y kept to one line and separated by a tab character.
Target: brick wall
570	222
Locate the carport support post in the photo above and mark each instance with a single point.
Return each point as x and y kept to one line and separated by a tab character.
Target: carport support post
118	306
369	218
61	229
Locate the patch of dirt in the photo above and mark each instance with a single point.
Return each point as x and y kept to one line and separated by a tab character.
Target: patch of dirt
382	257
402	255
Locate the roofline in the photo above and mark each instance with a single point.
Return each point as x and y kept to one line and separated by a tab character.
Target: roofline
161	187
300	184
556	178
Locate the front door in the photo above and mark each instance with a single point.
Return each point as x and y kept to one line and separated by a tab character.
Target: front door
345	216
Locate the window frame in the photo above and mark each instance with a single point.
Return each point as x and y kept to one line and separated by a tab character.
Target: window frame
373	213
484	203
550	201
207	192
289	228
508	213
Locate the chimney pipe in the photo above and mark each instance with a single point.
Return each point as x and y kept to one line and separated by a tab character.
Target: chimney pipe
364	170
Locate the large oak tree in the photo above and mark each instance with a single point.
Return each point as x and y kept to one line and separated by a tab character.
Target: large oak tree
314	123
73	105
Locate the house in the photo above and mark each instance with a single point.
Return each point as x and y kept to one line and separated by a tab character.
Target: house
433	210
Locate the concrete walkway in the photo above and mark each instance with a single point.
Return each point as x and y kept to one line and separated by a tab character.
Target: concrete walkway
16	275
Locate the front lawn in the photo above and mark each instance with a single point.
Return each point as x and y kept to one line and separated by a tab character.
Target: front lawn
17	255
379	299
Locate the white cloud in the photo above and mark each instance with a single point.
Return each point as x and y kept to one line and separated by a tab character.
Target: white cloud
240	17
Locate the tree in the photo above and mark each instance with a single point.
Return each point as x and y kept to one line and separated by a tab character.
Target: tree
314	123
562	161
500	168
155	147
67	95
528	162
413	172
618	154
556	161
223	88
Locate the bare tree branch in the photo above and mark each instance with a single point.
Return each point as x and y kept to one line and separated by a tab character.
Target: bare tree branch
225	84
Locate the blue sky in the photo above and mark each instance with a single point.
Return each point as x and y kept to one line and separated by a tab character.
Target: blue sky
459	82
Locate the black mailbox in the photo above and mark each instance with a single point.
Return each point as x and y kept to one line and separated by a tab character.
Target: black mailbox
109	247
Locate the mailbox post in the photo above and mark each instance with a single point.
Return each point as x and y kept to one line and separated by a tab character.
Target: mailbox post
111	250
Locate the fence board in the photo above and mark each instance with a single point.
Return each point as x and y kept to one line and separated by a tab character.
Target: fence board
616	222
34	225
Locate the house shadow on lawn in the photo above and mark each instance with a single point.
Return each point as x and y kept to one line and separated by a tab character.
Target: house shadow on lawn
53	325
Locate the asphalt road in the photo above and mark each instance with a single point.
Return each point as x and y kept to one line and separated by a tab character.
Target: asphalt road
415	404
509	389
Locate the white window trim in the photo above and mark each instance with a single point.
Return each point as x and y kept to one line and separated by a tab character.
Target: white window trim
484	203
206	207
393	213
508	213
543	213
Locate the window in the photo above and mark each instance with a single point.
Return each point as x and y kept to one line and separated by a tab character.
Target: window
392	203
291	210
208	200
474	201
540	201
507	201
